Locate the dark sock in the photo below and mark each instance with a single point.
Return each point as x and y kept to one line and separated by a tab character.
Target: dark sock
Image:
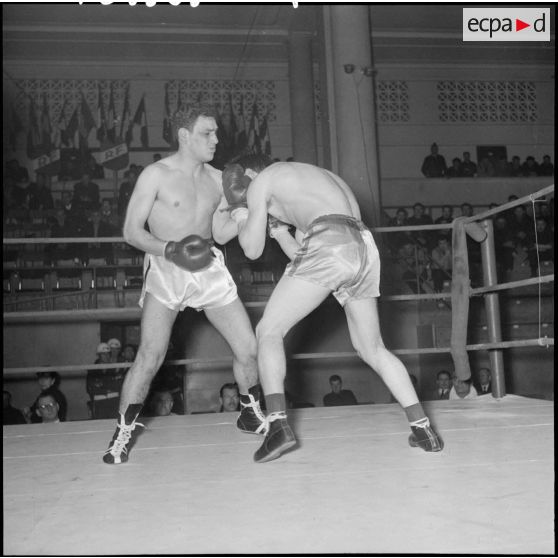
276	402
414	412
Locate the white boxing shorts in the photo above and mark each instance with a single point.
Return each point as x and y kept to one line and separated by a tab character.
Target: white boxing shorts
177	288
338	252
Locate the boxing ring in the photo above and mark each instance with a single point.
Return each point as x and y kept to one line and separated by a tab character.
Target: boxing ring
352	486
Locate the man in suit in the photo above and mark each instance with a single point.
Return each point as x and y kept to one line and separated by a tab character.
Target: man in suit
483	383
443	386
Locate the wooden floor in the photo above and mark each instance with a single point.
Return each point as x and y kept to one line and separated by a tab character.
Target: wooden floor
352	486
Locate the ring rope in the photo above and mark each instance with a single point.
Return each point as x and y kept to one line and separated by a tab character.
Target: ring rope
543	342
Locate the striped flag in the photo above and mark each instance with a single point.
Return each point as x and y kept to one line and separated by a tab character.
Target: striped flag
101	117
126	124
68	137
167	127
86	122
265	140
111	117
140	119
254	144
240	124
34	136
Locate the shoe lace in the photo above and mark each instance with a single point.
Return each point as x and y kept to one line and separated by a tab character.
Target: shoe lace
255	406
421	423
277	415
124	435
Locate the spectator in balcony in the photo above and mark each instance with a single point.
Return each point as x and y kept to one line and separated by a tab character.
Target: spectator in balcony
86	193
48	409
125	191
462	389
40	198
434	165
546	168
420	217
397	239
441	263
483	381
128	353
515	166
530	167
503	167
541	249
10	415
455	170
229	397
338	396
488	165
108	215
115	346
48	383
466	210
468	167
504	245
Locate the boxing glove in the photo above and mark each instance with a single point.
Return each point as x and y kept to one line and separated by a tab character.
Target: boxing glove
235	185
276	227
192	253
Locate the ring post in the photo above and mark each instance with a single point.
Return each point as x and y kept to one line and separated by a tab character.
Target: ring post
492	308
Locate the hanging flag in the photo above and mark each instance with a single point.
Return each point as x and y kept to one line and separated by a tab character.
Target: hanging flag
111	116
265	140
240	125
46	129
167	126
140	119
34	136
126	121
15	126
101	116
254	145
68	136
86	123
59	128
231	123
179	103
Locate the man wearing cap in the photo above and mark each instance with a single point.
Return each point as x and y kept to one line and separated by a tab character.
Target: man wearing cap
103	385
115	346
48	382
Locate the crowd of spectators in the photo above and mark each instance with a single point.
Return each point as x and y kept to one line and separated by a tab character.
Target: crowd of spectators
491	165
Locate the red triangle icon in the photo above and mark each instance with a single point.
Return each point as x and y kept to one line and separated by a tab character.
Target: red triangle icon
519	25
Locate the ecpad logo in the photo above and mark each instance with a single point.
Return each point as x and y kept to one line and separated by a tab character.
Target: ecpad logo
506	24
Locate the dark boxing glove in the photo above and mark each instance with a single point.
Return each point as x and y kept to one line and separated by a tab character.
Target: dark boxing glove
235	186
192	253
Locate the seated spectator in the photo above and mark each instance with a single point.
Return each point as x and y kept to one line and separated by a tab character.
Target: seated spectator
96	227
443	386
468	167
515	166
504	245
338	396
86	193
466	210
530	167
542	247
93	168
10	415
521	227
103	386
462	389
128	353
441	263
546	168
546	212
40	195
109	216
488	165
47	409
160	404
412	259
15	171
445	218
114	346
420	217
229	397
434	165
125	191
397	239
502	166
483	383
48	382
455	170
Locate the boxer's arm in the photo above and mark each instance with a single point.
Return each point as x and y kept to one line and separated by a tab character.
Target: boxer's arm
223	228
139	207
252	230
288	244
